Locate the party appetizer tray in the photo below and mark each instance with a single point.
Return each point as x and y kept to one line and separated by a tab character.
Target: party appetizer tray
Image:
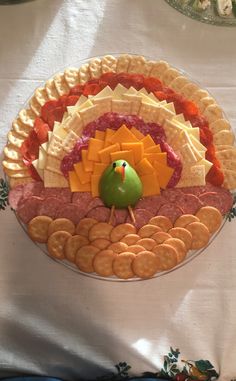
122	168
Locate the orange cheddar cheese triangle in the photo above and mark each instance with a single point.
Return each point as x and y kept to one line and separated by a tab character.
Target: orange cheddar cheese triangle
94	146
95	185
151	185
148	142
123	135
104	154
87	164
136	147
99	168
144	167
164	173
137	133
99	135
75	184
123	155
153	149
84	177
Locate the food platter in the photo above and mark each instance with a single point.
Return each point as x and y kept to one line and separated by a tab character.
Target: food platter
121	168
210	15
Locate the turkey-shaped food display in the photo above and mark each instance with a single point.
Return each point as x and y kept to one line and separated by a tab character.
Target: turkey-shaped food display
123	167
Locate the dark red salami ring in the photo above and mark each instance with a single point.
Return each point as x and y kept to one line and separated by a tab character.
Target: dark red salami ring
49	207
171	211
101	214
71	211
142	217
82	199
96	201
50	192
151	203
189	203
221	201
15	195
33	189
121	216
29	209
172	194
65	195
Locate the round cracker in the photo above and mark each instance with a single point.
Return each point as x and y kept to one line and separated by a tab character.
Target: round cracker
101	243
84	258
130	239
179	246
166	256
100	230
163	222
61	224
84	226
200	235
119	231
147	243
185	219
56	244
211	217
160	237
103	262
182	234
148	230
135	249
145	264
122	265
118	247
73	244
38	228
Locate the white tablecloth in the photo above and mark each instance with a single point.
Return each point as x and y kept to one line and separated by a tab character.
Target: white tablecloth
54	321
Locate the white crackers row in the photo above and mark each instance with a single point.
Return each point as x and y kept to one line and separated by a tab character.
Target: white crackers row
62	82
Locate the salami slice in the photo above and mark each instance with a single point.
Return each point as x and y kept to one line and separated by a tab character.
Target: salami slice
100	213
15	195
121	216
33	189
50	192
189	203
142	217
71	211
29	209
96	201
151	203
65	195
49	207
172	194
82	199
171	211
222	202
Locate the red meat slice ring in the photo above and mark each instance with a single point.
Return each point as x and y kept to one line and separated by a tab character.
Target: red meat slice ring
15	195
221	201
121	216
96	201
33	189
189	203
49	207
172	194
151	203
142	217
70	211
101	214
50	192
82	200
65	195
171	211
29	209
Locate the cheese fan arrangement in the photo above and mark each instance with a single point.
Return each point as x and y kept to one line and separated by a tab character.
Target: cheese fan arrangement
123	167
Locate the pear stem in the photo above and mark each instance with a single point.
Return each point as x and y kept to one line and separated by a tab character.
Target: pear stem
131	214
111	214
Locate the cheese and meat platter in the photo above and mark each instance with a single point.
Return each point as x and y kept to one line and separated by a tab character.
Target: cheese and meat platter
122	168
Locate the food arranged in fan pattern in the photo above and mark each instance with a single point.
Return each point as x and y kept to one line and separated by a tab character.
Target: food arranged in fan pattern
110	149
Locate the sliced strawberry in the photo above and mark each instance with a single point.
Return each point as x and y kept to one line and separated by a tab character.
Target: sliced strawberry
152	84
215	176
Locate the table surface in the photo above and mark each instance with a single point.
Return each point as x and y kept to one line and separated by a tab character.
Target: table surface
54	321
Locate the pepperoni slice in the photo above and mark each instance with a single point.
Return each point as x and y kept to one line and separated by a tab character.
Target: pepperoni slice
55	115
152	84
215	176
29	209
171	211
77	90
91	89
49	207
47	108
41	128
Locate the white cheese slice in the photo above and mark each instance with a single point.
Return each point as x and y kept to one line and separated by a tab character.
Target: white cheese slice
181	139
106	92
39	171
60	131
118	92
42	158
196	143
192	176
207	164
71	109
179	118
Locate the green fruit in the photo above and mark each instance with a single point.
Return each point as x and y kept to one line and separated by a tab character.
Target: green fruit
118	191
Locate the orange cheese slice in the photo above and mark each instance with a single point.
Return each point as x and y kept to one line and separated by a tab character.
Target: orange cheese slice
75	184
137	148
104	154
153	149
99	135
123	135
144	167
84	177
148	142
95	185
154	156
99	168
95	145
108	134
137	133
123	155
87	164
151	185
163	172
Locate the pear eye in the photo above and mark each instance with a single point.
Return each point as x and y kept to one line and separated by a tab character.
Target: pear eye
114	165
124	164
